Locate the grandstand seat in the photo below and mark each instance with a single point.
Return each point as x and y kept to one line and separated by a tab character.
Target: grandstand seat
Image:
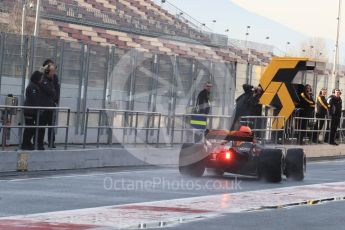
145	17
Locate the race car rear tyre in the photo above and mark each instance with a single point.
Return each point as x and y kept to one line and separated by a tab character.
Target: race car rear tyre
296	163
191	160
271	165
215	172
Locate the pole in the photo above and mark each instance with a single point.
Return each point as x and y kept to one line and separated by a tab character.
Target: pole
248	49
287	48
37	19
336	54
23	28
247	34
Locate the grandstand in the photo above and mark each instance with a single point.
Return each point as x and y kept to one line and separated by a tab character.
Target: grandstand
142	25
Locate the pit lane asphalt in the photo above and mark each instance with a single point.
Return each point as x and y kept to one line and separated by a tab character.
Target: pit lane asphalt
30	193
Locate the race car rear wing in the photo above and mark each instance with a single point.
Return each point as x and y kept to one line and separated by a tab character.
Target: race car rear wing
227	135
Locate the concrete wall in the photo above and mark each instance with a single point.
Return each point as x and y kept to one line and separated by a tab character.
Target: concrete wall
81	159
98	158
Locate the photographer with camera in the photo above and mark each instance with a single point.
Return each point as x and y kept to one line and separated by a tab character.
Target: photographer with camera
247	104
50	98
253	102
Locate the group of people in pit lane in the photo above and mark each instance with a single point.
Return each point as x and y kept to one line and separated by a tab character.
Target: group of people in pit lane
324	107
42	91
247	104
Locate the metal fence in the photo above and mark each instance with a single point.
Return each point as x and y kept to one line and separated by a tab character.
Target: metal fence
307	130
13	123
296	130
126	126
106	127
182	131
341	130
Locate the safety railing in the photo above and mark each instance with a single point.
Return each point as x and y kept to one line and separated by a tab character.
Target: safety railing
310	128
129	122
266	128
296	130
181	123
341	130
183	16
8	112
153	128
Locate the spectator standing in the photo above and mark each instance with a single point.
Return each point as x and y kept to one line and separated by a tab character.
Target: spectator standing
321	113
52	119
255	108
203	106
247	104
335	107
307	105
49	99
32	99
241	106
203	101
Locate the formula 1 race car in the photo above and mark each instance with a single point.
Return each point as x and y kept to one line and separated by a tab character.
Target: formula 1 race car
238	152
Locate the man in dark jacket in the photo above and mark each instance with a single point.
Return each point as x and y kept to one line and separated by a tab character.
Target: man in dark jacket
335	107
307	105
321	113
32	98
50	98
51	132
203	106
253	102
203	102
255	110
242	100
247	104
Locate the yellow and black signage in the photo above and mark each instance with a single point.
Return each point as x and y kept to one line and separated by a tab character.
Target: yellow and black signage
278	87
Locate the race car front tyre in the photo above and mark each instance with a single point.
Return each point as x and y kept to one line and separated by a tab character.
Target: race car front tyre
271	165
191	160
296	162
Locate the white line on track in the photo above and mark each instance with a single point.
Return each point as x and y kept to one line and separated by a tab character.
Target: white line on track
326	162
83	175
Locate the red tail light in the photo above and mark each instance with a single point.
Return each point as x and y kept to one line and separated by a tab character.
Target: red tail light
228	155
224	155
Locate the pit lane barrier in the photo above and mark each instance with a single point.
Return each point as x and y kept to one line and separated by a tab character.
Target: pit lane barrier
147	126
15	114
297	130
127	121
